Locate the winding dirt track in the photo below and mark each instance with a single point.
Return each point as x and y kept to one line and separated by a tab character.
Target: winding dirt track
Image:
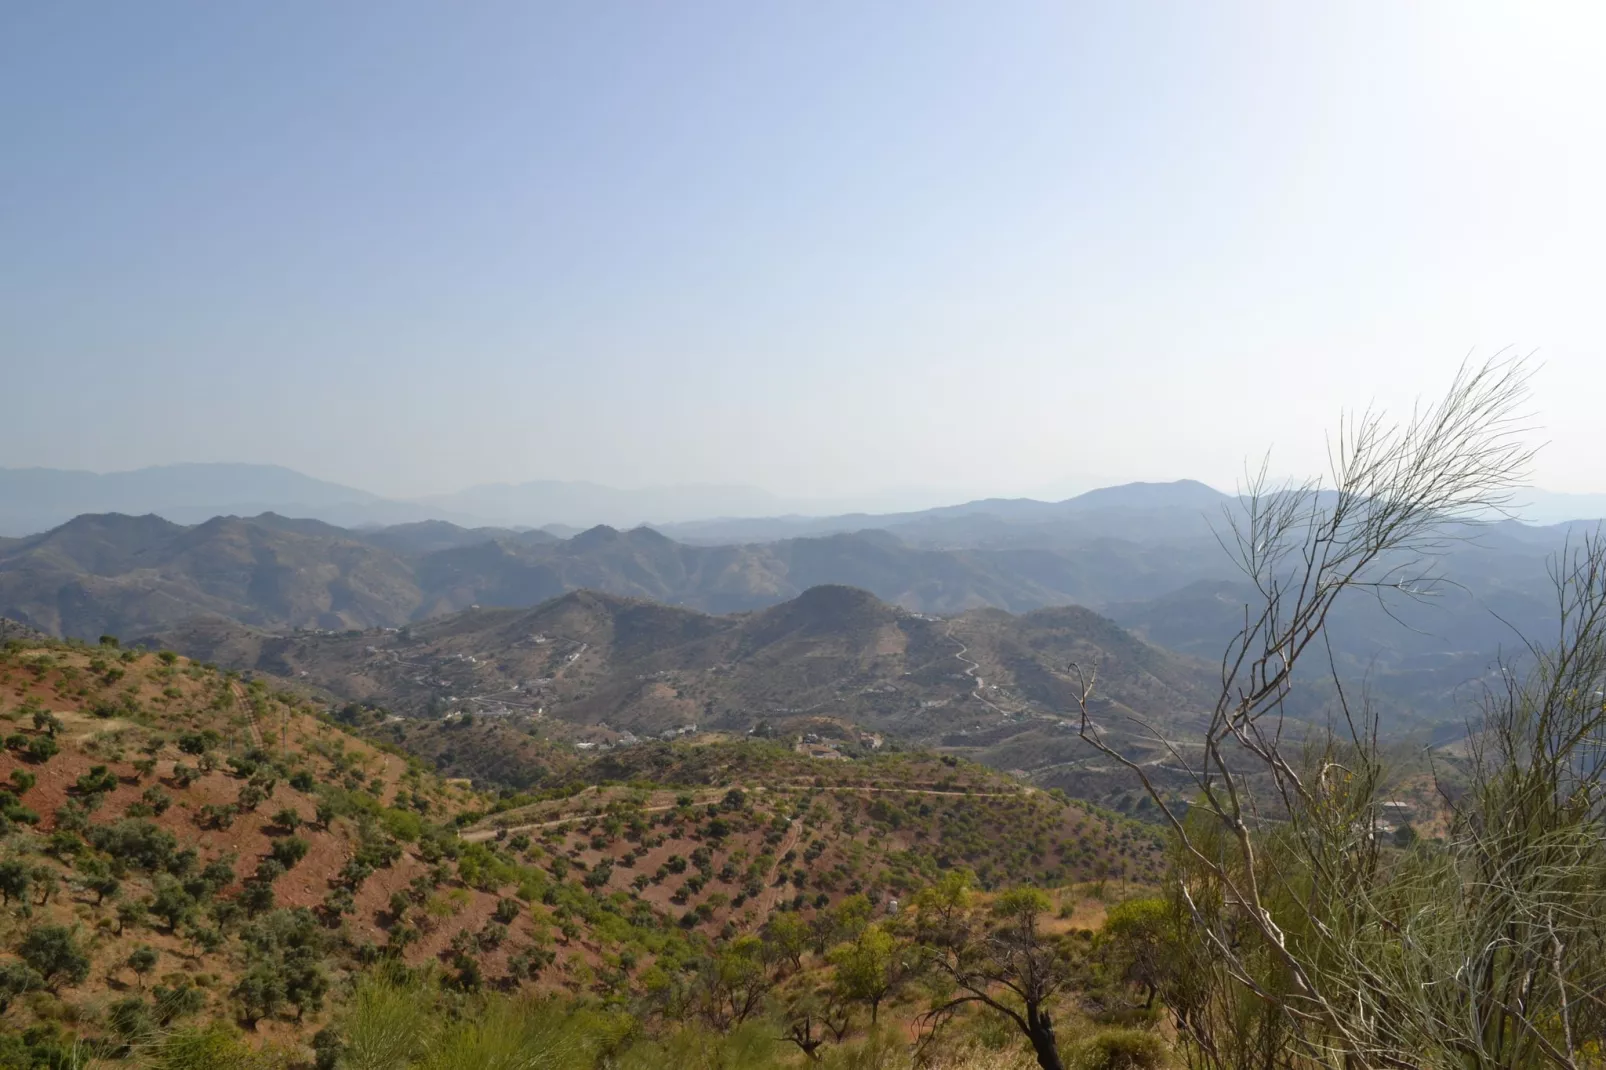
480	835
477	835
251	727
970	670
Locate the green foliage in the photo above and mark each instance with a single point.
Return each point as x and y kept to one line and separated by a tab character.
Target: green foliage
387	1027
787	934
41	749
339	901
43	1045
260	991
156	800
998	959
16	979
198	743
1121	1049
142	960
752	1046
171	901
96	878
404	825
1021	903
251	796
98	779
137	843
180	1001
131	1019
1139	940
212	1047
54	953
727	844
508	1034
16	877
287	949
14	811
289	851
256	896
130	913
871	968
735	984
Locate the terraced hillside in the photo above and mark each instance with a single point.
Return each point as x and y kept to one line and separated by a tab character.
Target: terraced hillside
184	848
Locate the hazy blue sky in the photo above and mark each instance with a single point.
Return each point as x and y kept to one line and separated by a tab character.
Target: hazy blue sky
822	247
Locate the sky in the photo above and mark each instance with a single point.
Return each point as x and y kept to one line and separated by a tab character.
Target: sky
825	248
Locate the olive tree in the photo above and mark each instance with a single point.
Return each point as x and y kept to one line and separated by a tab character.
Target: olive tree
55	953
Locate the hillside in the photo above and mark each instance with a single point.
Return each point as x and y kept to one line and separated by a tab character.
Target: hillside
154	803
182	846
130	576
124	575
835	662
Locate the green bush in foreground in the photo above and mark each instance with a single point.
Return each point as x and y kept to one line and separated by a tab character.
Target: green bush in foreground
1122	1049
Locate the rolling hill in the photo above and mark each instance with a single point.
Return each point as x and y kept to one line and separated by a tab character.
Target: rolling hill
835	662
126	575
190	858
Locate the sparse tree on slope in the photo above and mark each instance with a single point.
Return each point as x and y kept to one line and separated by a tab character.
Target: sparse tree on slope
997	959
54	952
872	968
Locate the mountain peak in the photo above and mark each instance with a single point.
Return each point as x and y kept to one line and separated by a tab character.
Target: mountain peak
647	536
147	526
831	605
837	596
591	538
1181	493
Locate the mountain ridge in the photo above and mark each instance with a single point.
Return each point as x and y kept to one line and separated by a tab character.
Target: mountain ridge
134	576
34	500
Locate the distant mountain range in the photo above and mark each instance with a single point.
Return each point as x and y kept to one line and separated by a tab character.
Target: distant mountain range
38	499
1144	555
33	500
1182	509
129	576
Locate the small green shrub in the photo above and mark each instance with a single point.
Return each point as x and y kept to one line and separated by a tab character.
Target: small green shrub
1122	1049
